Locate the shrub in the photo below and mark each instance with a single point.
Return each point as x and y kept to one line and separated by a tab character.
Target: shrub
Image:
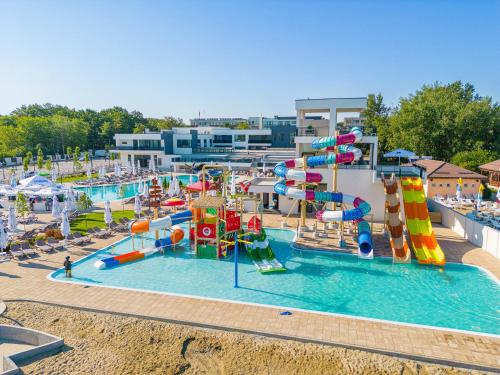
55	233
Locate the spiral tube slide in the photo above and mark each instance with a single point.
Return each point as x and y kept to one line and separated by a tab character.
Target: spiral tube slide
346	154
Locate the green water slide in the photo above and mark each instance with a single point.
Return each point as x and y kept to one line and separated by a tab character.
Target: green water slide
262	255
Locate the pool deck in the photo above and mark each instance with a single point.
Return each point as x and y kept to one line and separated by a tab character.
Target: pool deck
27	280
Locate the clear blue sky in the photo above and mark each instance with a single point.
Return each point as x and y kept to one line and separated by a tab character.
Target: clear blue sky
239	58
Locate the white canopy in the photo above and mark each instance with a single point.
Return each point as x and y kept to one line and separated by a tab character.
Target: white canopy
12	219
34	186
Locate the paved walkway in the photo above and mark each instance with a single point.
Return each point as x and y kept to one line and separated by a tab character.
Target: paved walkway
26	280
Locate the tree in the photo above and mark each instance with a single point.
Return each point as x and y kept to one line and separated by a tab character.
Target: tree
48	164
376	117
86	157
83	204
77	166
473	159
442	120
69	151
243	125
39	159
26	163
22	206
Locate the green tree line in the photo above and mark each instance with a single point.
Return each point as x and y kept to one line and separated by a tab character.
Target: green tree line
449	122
53	128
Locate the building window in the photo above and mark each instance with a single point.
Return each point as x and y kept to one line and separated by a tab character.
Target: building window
473	185
240	138
447	185
440	185
433	185
183	143
124	143
465	185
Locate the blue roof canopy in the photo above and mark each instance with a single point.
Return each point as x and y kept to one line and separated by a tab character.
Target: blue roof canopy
400	153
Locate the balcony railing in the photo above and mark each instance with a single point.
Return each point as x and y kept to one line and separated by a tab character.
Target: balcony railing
132	148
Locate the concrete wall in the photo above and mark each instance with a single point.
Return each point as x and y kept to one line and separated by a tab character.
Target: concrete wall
43	344
476	233
448	186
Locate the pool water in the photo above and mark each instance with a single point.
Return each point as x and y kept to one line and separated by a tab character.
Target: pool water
459	297
111	192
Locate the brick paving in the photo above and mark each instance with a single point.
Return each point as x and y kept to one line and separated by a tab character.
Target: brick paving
28	280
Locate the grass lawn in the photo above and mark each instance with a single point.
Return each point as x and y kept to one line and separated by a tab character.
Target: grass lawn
82	176
96	219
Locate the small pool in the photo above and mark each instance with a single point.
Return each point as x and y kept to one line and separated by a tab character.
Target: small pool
111	192
458	297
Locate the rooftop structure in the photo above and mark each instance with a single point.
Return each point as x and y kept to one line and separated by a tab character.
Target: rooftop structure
492	169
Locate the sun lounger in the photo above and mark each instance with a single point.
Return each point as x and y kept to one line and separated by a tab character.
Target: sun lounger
56	245
82	239
15	251
4	257
40	244
27	249
99	233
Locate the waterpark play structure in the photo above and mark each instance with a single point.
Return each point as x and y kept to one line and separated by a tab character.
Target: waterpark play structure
331	151
393	223
418	223
215	222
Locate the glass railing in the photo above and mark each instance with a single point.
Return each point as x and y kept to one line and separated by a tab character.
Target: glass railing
398	170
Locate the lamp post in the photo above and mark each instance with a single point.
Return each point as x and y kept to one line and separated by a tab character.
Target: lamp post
236	260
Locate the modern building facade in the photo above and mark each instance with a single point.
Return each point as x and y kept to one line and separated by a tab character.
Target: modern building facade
244	147
217	122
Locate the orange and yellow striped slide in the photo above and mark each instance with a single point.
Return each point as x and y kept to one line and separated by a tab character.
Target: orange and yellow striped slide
418	223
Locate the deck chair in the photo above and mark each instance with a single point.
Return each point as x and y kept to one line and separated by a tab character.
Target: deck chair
27	249
43	246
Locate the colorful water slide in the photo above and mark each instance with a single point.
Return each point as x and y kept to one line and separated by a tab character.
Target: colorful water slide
261	253
176	235
418	223
346	154
141	226
399	246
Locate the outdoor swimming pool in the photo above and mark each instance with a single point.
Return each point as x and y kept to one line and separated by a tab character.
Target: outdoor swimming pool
111	192
459	297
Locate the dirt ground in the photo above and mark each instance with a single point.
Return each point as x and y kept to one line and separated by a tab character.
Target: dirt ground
98	343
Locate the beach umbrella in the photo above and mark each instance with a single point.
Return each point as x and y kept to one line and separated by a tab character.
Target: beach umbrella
22	175
233	184
146	191
133	168
140	186
3	237
70	200
138	167
173	202
177	187
229	165
12	219
263	166
459	190
129	168
53	174
171	187
65	228
479	196
498	195
137	205
13	180
89	172
191	180
108	218
56	208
